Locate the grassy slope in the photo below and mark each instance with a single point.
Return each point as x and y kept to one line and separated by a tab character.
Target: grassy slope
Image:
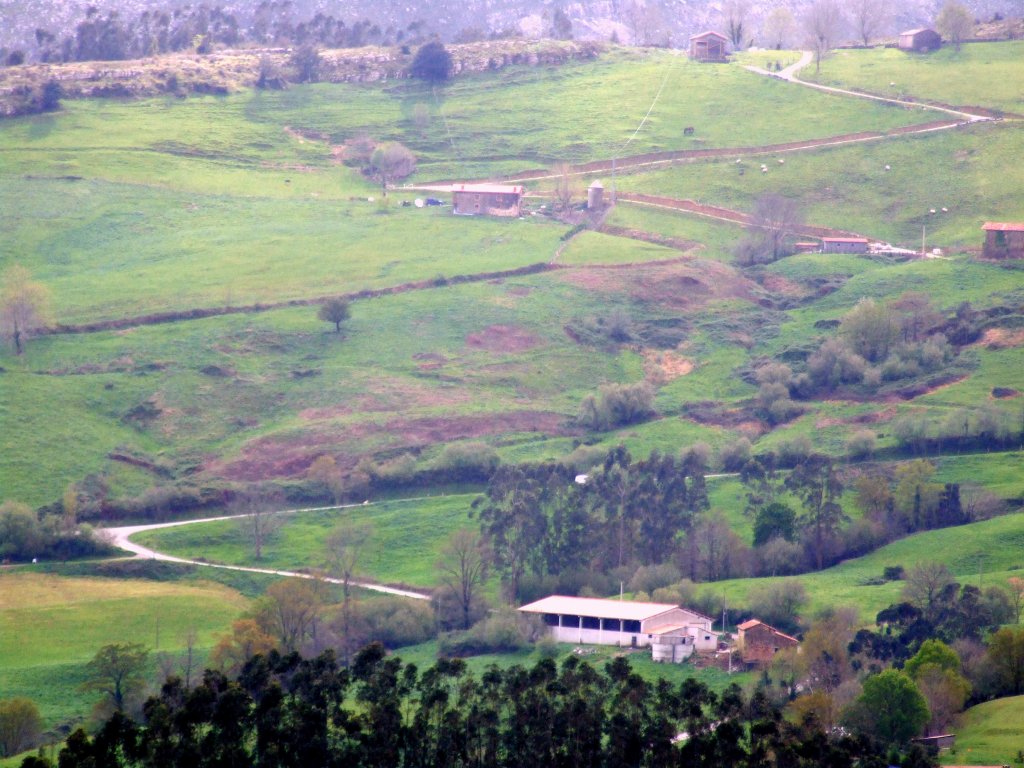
947	76
406	539
992	547
51	626
967	170
988	734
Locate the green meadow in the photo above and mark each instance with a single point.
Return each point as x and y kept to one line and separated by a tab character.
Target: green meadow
988	734
978	75
51	626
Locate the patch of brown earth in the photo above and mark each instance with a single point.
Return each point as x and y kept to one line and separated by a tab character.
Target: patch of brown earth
680	283
291	455
783	286
1002	338
390	396
503	338
662	366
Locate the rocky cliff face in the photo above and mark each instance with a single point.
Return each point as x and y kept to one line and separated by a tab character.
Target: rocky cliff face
647	22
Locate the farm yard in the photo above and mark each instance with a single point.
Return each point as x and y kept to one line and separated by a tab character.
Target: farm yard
189	243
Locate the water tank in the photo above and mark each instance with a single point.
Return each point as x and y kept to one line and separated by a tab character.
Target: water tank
595	196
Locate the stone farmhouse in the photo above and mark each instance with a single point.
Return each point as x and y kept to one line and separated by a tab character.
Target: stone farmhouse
487	199
758	642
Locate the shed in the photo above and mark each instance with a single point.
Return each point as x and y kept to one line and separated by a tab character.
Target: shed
1003	240
759	642
844	245
625	623
487	199
709	46
920	40
940	741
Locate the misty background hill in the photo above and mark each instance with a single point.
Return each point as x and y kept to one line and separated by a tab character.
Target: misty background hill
390	22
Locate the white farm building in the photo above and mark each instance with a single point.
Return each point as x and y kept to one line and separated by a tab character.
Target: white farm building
672	632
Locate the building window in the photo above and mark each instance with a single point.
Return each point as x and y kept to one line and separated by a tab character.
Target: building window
589	622
631	626
1001	239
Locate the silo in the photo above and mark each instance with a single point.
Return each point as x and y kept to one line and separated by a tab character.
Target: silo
595	196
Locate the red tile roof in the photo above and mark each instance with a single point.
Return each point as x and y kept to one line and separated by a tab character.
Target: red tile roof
997	226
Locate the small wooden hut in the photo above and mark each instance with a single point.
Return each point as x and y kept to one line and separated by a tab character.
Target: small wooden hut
709	46
1003	240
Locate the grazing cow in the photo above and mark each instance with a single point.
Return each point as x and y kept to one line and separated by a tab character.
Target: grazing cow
688	130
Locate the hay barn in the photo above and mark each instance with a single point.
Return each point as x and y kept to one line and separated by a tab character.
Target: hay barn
920	40
1003	240
709	46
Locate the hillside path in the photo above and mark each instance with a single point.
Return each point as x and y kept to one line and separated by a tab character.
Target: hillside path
121	537
790	74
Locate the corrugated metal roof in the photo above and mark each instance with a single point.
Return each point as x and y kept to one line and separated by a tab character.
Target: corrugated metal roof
915	31
844	240
1003	226
489	189
597	608
709	33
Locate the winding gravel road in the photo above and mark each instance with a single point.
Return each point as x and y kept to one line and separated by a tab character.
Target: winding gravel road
121	537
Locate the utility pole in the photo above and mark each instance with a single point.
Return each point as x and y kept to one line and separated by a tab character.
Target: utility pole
924	228
613	180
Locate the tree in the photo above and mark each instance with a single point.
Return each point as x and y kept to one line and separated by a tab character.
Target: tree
462	568
1006	655
779	28
869	18
246	639
779	603
335	311
924	587
20	725
117	670
564	186
258	515
873	496
324	470
346	545
945	691
774	220
390	162
432	63
21	537
774	520
1016	596
891	708
306	60
823	23
870	329
954	22
24	306
816	483
561	25
735	16
292	611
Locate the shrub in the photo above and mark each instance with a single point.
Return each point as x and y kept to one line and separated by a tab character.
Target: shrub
617	405
680	593
733	456
893	573
779	604
395	622
861	444
778	557
651	577
503	632
585	457
467	461
795	450
835	364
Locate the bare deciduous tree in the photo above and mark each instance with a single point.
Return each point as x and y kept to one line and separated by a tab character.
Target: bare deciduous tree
779	28
390	162
870	17
924	586
823	23
345	547
259	508
462	568
24	306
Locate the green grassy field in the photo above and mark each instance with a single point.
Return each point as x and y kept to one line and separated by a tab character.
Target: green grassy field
407	537
51	626
987	552
966	170
988	734
979	74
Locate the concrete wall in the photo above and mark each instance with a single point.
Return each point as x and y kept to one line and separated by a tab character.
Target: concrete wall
598	636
